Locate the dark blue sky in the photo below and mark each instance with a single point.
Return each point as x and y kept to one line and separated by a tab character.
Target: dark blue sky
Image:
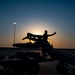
36	16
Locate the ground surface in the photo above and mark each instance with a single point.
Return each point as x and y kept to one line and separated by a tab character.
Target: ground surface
48	68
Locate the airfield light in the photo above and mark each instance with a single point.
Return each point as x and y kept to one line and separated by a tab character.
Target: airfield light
14	30
14	23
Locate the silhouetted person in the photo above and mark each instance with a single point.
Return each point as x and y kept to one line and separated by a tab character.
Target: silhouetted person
45	37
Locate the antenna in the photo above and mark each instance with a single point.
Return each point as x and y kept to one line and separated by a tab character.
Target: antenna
14	30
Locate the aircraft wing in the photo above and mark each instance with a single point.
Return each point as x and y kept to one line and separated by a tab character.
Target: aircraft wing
61	56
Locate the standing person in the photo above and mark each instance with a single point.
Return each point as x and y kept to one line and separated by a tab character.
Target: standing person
45	37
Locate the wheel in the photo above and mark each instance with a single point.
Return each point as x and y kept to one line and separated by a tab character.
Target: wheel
33	68
61	69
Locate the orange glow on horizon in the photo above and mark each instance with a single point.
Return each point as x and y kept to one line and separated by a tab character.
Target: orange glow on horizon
58	40
37	28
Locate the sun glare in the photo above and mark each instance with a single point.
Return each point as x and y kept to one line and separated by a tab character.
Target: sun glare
38	33
37	28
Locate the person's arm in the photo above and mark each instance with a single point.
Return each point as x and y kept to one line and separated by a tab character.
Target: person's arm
52	34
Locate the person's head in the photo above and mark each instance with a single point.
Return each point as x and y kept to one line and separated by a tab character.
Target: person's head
46	32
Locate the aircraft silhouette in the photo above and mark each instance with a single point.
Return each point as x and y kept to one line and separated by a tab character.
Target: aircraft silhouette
65	60
29	61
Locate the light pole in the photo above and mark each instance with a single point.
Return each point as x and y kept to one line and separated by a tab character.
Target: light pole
14	30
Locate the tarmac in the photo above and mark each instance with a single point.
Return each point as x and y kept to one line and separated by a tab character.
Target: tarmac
49	68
